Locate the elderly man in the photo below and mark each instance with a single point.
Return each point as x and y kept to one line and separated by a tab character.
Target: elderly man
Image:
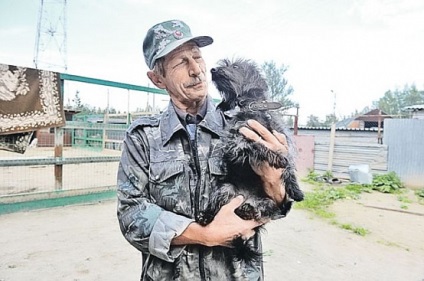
169	166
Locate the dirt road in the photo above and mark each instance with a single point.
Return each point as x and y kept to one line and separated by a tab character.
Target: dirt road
83	242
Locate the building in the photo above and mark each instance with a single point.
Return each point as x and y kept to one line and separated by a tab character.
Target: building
416	111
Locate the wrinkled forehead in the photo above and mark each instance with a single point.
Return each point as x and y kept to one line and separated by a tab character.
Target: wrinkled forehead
189	47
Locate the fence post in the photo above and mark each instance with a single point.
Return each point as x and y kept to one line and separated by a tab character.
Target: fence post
296	121
58	152
331	148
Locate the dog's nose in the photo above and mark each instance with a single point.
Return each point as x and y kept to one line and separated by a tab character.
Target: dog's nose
213	70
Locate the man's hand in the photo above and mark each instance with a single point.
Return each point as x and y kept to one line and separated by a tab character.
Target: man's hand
227	225
222	230
271	177
258	133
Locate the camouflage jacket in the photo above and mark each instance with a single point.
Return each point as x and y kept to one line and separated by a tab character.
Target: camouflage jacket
162	186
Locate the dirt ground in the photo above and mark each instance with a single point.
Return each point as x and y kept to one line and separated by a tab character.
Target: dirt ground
83	242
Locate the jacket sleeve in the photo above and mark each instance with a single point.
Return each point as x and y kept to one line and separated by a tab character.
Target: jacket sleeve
145	225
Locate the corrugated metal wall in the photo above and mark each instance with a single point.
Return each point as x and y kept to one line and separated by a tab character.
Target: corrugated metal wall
402	151
351	147
350	153
405	138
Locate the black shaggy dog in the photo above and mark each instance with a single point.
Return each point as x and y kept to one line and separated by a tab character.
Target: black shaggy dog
244	92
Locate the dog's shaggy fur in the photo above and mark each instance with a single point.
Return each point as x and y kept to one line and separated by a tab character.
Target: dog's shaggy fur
241	83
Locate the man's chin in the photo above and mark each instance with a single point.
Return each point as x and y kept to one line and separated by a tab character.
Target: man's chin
198	94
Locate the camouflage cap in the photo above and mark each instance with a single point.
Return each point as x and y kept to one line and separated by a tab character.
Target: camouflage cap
165	37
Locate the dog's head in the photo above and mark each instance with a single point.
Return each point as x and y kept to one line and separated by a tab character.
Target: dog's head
239	81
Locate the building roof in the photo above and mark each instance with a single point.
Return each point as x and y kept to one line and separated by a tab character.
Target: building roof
373	116
417	107
344	123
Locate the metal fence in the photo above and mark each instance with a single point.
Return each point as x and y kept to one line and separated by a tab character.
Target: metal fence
76	160
401	152
406	152
346	154
37	174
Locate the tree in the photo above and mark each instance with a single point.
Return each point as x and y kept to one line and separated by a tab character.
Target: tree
329	120
414	96
393	102
278	86
77	101
290	121
313	121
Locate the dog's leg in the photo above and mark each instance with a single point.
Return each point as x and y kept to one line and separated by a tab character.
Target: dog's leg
219	198
291	184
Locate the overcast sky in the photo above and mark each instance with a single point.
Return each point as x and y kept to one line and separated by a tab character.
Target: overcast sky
348	51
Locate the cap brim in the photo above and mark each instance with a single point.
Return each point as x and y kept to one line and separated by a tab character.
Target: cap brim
200	41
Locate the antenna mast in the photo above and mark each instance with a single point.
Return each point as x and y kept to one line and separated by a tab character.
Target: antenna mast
50	43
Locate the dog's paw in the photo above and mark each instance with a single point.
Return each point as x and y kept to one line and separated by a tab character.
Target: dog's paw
203	218
246	212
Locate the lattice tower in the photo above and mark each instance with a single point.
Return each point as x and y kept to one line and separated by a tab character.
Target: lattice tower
50	44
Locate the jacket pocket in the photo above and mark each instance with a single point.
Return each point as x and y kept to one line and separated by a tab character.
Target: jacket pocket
217	167
169	186
163	172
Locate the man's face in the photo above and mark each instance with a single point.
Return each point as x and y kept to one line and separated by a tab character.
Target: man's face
185	75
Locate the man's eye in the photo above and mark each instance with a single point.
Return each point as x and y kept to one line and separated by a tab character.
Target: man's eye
179	63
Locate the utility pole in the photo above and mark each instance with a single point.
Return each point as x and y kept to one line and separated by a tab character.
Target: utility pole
50	51
334	104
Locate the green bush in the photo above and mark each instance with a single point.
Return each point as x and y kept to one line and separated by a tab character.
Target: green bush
328	175
312	176
420	193
387	183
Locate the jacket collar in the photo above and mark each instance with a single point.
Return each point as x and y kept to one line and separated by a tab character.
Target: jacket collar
171	124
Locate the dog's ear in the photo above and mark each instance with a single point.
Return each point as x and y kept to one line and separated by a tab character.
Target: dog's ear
156	79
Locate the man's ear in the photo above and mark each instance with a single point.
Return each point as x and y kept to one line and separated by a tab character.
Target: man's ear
156	79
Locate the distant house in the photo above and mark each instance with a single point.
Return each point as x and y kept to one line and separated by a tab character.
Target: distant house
45	137
69	113
417	111
348	123
373	119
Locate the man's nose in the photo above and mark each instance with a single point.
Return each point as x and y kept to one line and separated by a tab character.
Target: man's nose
195	69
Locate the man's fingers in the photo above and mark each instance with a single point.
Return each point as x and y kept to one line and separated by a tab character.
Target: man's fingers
280	137
251	135
283	140
258	133
235	202
259	129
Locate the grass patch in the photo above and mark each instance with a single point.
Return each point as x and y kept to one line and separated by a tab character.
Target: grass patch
323	196
357	230
404	200
392	244
318	200
420	194
268	253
